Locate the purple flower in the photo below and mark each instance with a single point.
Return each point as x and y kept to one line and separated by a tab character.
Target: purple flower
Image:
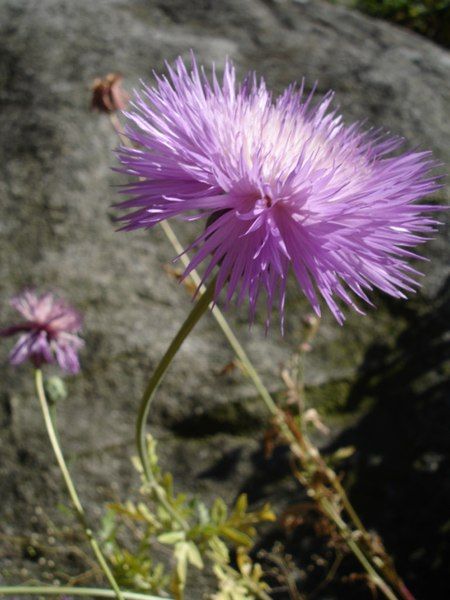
48	334
281	184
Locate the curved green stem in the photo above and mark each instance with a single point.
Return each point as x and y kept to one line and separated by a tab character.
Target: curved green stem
218	315
198	310
269	403
25	590
223	324
79	510
274	411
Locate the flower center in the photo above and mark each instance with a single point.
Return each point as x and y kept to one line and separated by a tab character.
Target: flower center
267	201
264	201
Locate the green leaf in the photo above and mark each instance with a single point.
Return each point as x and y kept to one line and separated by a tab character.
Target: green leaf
219	550
148	515
194	555
203	513
343	453
242	504
219	511
236	536
171	537
181	556
266	513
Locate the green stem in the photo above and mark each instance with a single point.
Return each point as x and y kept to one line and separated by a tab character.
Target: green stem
198	310
79	510
274	410
357	551
259	385
218	315
347	504
223	324
25	590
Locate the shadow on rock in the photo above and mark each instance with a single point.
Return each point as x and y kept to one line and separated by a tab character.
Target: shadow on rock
399	475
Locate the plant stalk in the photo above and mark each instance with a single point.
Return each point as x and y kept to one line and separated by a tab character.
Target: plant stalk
79	510
218	315
264	394
357	551
197	311
275	411
25	590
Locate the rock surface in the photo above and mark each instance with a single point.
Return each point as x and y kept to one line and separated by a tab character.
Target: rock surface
57	231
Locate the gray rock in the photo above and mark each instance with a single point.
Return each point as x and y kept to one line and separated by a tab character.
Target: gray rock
57	231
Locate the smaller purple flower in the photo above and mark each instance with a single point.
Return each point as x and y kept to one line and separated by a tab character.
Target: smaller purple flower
49	332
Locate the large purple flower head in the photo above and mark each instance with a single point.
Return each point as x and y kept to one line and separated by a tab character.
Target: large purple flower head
49	332
280	183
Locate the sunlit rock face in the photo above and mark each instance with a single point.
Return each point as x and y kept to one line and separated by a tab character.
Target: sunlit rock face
384	372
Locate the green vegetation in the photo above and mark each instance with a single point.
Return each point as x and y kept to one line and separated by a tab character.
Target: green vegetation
430	18
210	537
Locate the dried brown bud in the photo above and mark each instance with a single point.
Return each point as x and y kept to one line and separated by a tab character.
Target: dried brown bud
108	95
